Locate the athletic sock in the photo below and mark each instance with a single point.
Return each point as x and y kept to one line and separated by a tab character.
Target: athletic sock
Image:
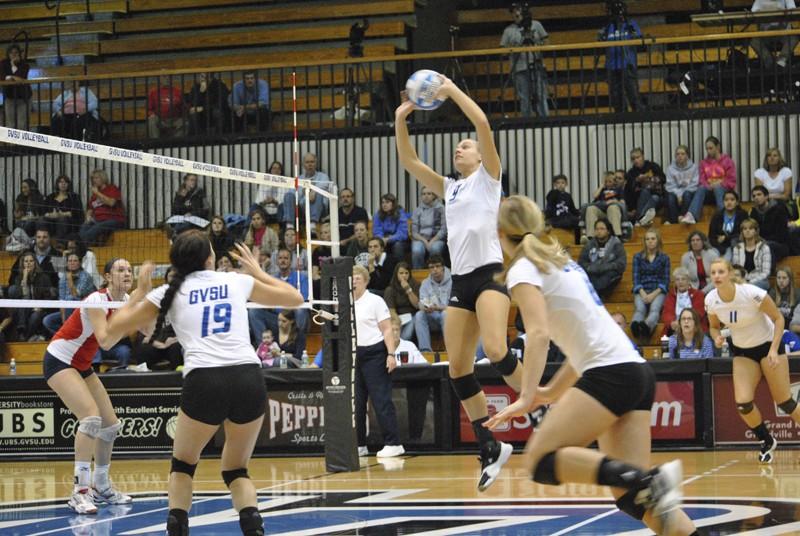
101	481
177	522
761	432
621	475
250	521
483	434
83	475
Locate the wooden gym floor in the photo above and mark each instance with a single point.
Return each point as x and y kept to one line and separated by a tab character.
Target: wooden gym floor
727	492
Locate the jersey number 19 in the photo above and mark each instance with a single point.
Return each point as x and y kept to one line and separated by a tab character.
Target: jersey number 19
222	315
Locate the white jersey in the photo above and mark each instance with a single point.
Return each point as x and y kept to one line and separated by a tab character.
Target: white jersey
750	327
370	310
209	316
578	322
471	207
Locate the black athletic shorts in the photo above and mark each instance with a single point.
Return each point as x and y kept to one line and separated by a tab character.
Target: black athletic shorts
756	353
211	395
466	288
621	388
51	365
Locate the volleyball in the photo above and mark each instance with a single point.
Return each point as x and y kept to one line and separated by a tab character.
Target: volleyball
422	87
172	424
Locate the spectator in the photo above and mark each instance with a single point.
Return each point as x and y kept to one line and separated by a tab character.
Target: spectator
64	209
190	200
402	298
391	224
375	361
261	319
644	187
650	284
259	234
697	261
349	215
724	228
87	256
74	284
530	77
414	355
16	97
358	248
603	258
221	239
608	202
6	323
623	79
29	207
289	242
46	256
622	322
690	341
165	110
765	46
75	113
320	255
105	212
753	254
681	296
717	173
783	293
207	104
560	209
267	196
225	263
434	295
773	219
682	180
380	266
319	204
288	336
428	229
250	103
268	350
160	350
31	283
775	176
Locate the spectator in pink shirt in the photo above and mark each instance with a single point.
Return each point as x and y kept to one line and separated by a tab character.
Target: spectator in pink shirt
165	110
717	174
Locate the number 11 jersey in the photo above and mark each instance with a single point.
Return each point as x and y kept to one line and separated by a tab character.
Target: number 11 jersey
209	316
750	327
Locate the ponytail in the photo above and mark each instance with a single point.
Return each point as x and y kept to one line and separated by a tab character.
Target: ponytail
166	302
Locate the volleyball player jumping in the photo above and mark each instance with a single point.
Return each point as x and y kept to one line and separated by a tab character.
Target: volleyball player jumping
478	306
605	389
756	327
222	382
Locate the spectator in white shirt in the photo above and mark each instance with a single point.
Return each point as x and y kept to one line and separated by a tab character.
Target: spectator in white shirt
775	176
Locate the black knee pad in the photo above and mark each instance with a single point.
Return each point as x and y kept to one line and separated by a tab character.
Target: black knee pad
627	504
507	365
545	470
250	522
178	522
179	466
745	407
788	406
233	474
466	386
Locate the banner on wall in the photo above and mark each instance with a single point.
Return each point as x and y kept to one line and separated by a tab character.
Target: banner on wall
294	418
673	417
729	428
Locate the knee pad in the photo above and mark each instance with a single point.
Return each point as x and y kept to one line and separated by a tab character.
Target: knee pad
507	365
90	425
109	433
179	466
745	407
627	504
233	474
466	386
545	470
788	406
250	522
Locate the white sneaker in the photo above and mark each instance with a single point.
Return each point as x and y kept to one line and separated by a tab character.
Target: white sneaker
665	489
362	451
649	216
81	502
689	219
391	451
110	496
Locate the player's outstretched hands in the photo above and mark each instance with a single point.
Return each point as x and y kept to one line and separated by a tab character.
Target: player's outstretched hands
246	259
405	108
145	280
522	406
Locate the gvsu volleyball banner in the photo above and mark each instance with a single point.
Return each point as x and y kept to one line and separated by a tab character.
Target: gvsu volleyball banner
673	415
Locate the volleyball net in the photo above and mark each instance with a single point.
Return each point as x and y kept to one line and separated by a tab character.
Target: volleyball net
72	206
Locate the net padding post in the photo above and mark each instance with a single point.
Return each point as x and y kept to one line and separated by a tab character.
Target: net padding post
338	368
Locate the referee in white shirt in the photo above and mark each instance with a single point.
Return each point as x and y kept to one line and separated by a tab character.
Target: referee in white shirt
375	348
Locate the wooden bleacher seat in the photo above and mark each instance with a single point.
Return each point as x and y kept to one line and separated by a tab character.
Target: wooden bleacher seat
38	10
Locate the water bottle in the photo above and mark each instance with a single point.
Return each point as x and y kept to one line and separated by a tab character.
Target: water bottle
12	367
664	347
304	360
282	361
725	351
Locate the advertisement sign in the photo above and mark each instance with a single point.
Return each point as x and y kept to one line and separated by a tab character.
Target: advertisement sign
729	428
294	417
673	413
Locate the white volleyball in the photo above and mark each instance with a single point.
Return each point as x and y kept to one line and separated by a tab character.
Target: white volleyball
422	87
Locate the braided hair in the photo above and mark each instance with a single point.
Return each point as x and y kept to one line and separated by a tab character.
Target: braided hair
188	254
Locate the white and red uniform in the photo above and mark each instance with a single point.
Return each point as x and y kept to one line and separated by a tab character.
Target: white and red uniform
75	343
